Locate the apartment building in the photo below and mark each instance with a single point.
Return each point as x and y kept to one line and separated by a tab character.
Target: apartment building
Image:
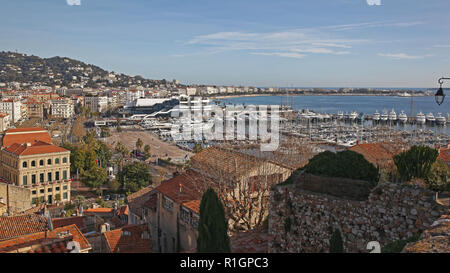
29	160
4	122
96	103
12	108
34	108
62	108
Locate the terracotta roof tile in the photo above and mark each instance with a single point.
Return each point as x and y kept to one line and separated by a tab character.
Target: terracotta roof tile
444	155
15	226
25	135
45	241
99	210
38	147
129	239
80	221
192	186
193	205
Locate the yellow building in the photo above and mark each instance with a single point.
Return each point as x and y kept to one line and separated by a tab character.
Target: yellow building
29	160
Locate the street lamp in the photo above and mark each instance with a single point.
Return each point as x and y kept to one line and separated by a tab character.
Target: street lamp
440	96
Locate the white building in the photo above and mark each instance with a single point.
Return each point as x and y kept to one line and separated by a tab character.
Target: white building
191	91
62	108
97	103
12	108
4	122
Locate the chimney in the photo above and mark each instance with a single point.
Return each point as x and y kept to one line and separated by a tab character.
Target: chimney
181	188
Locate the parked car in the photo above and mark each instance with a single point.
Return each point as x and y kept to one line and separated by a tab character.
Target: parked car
114	197
122	197
107	197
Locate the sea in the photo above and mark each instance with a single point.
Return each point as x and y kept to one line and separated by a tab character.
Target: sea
360	104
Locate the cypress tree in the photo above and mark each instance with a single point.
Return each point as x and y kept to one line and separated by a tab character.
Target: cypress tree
336	243
212	226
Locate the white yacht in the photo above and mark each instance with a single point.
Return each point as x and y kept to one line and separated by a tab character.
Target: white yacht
420	118
440	119
376	116
340	115
393	115
403	117
430	117
353	115
384	116
448	118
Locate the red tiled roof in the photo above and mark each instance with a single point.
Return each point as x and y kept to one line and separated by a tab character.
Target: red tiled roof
225	161
444	155
128	239
14	226
122	210
44	239
192	186
80	221
99	210
38	147
25	135
193	205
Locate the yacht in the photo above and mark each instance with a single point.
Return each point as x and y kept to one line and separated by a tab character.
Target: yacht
340	115
430	117
403	117
376	116
353	115
440	119
420	118
384	116
393	115
448	118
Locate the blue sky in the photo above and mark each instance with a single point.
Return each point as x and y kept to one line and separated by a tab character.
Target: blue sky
400	43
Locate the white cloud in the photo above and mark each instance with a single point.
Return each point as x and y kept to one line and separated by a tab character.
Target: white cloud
402	56
73	2
373	2
281	54
302	41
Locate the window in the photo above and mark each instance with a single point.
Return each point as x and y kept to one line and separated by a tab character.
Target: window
167	203
65	195
25	179
49	161
33	163
56	160
64	175
33	179
41	162
64	187
194	220
42	199
185	215
24	164
49	176
57	189
41	177
49	190
34	193
56	176
41	191
64	160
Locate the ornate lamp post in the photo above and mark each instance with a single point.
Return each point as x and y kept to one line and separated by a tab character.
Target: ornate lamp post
440	96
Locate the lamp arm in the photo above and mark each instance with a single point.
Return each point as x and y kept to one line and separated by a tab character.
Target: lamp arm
441	80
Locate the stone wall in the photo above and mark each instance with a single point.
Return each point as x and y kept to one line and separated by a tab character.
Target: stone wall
303	221
19	198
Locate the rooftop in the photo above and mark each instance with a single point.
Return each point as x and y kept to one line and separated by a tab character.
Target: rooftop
129	239
25	135
15	226
38	147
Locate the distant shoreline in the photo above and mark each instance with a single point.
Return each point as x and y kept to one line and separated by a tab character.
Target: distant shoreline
335	95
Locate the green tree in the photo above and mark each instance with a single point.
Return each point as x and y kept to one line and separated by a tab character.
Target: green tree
114	185
337	165
147	151
105	132
197	148
439	177
212	226
134	177
119	128
139	144
122	152
94	178
336	243
104	154
415	163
